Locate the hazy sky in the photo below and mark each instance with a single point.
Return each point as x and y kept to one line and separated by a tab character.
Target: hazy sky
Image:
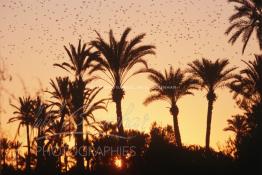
33	32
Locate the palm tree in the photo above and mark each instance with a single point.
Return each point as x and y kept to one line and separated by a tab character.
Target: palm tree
25	117
247	86
239	125
82	106
16	146
59	129
246	19
80	60
115	62
211	76
170	87
41	119
61	96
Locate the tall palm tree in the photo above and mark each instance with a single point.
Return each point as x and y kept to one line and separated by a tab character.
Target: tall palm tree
25	118
246	19
211	76
16	146
115	62
247	86
42	116
61	96
80	60
170	87
58	129
82	106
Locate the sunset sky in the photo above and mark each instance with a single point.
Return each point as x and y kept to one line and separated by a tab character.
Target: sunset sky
33	32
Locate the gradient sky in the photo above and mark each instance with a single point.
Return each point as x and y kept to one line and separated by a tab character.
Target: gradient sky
33	32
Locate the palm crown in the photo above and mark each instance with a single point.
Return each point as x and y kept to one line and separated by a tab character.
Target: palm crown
248	17
211	75
80	59
248	85
23	112
238	124
170	86
118	57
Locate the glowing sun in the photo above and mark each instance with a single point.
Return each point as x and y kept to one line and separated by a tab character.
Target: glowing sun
118	162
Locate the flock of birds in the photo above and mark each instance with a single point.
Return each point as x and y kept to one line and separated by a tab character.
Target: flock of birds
41	27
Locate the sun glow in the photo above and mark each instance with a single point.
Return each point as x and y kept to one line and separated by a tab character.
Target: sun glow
118	162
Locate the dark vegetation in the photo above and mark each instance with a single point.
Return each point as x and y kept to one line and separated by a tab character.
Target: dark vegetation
67	139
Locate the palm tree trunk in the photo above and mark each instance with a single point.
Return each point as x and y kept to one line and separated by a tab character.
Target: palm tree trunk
119	118
40	149
28	167
79	144
62	119
78	108
209	119
174	111
60	137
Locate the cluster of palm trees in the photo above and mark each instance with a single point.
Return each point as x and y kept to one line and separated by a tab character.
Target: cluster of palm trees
73	103
173	84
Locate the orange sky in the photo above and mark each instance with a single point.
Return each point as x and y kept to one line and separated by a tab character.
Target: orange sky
32	35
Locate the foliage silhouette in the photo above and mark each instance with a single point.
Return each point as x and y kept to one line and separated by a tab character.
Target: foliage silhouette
245	20
211	76
116	60
170	87
247	86
80	107
25	118
97	148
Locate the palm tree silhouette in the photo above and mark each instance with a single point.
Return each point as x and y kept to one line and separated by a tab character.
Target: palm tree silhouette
248	17
89	104
59	129
239	125
116	60
80	61
61	96
25	118
247	86
211	76
170	87
42	117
